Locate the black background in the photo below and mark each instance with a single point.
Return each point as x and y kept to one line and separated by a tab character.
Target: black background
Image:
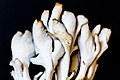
19	15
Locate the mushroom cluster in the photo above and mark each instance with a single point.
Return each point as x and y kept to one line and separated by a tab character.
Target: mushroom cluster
64	46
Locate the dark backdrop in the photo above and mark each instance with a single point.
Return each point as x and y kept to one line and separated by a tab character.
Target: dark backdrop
20	14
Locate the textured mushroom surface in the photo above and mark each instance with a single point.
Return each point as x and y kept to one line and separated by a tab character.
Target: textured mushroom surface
62	43
22	51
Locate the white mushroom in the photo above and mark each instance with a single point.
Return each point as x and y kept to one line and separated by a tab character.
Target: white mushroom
22	50
69	21
104	38
43	47
96	30
75	58
56	12
44	18
81	20
66	40
59	47
58	52
88	50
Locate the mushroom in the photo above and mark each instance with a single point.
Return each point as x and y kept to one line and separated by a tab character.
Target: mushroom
69	21
89	48
44	18
56	12
57	53
22	51
75	58
104	38
60	32
59	47
43	47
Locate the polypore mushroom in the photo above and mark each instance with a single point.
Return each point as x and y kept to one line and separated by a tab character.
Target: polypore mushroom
22	50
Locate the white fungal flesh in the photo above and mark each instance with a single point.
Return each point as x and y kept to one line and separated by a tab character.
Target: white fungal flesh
59	47
56	12
69	21
44	18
